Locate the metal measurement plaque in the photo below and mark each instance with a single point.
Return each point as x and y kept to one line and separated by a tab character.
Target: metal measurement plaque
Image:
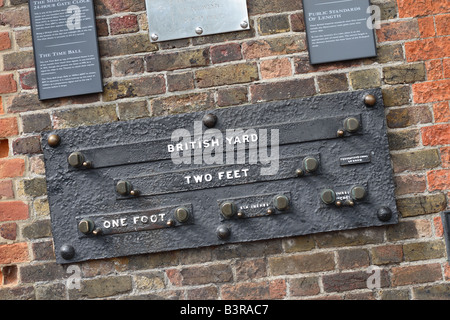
239	174
177	19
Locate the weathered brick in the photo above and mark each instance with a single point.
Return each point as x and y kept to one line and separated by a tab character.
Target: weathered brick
414	8
409	73
203	293
439	291
413	183
247	250
405	117
307	286
8	127
387	254
276	68
28	80
5	41
254	290
124	24
297	22
445	157
108	7
301	263
415	274
353	258
226	53
435	69
11	168
302	65
141	87
273	46
10	275
8	231
37	229
43	251
416	160
396	96
33	187
438	179
30	102
273	24
18	60
431	91
250	269
348	238
281	90
264	6
426	27
52	291
426	49
19	17
346	281
232	96
28	145
402	30
133	110
423	250
332	82
150	281
7	83
403	139
217	273
14	253
391	294
6	189
102	27
298	244
128	66
177	60
180	81
102	287
36	122
84	116
182	103
365	79
228	74
438	134
421	205
132	44
441	111
443	25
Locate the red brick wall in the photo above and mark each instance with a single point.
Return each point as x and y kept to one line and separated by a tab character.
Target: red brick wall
269	62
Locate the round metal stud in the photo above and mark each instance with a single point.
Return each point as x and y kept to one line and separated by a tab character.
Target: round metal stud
154	37
244	24
240	214
349	203
67	252
340	133
281	202
228	209
299	172
171	223
87	164
370	100
269	211
384	214
351	124
199	30
223	232
358	193
209	120
76	159
328	196
311	164
97	232
124	188
338	203
182	214
53	140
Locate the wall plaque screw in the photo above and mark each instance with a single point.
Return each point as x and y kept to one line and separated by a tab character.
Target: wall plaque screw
86	226
370	100
182	214
67	251
351	124
209	120
154	37
244	24
281	202
384	214
311	164
328	196
124	188
53	140
198	30
358	193
223	232
228	209
76	159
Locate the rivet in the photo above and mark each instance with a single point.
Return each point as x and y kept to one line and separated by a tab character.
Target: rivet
171	223
299	172
209	120
370	100
97	232
269	211
67	252
154	37
134	193
223	232
53	140
240	214
349	203
338	203
198	30
384	214
340	133
244	24
87	164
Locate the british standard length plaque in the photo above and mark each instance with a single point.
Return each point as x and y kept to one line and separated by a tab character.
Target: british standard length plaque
65	48
338	30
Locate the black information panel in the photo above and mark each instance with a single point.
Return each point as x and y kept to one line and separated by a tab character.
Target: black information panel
230	175
338	30
65	48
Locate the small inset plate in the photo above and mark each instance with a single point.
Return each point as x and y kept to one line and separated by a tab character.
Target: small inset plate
177	19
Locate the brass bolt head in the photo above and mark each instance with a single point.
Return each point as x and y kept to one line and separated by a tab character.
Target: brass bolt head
281	202
182	214
53	140
228	209
370	100
75	159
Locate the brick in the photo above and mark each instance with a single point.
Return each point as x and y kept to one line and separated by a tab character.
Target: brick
390	52
297	22
18	60
387	254
446	63
37	229
420	205
438	134
443	25
43	251
8	127
182	103
11	168
223	37
432	292
348	238
307	286
395	31
427	49
6	189
10	275
396	96
435	69
217	273
332	82
177	60
405	117
140	87
84	116
365	79
8	231
438	179
409	73
232	96
132	44
431	91
254	290
441	111
14	253
7	84
415	160
408	275
426	27
273	24
276	68
108	7
415	8
228	74
102	27
102	287
388	9
180	81
19	17
445	157
403	139
29	102
346	281
301	263
2	110
32	187
274	46
275	6
413	183
353	258
250	269
203	293
281	90
5	41
4	148
302	65
133	110
298	244
124	24
150	281
226	53
395	295
128	66
423	250
23	38
28	145
36	122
